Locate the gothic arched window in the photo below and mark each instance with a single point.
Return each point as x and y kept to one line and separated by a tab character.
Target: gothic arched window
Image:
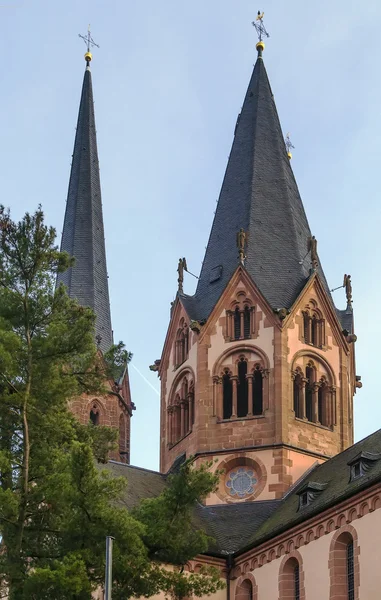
257	392
123	451
180	410
239	324
95	416
227	391
242	399
297	396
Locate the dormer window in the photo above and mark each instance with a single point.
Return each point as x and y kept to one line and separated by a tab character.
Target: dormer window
362	463
309	492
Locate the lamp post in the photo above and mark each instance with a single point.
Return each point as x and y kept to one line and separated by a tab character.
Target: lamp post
108	577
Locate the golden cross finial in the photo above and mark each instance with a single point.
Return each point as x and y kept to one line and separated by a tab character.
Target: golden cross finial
89	43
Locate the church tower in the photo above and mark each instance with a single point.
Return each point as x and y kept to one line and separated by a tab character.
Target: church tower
87	280
258	367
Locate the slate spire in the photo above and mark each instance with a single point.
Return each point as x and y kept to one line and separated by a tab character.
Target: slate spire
259	195
83	231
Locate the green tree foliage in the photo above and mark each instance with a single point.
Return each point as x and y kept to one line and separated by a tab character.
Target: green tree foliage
56	505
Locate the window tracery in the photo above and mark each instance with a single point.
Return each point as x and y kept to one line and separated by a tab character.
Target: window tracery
239	389
180	411
240	319
313	325
181	343
314	395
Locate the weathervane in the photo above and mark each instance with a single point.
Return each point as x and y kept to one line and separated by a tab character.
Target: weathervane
261	31
289	146
89	43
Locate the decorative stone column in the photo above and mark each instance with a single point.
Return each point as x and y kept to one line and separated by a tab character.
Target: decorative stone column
234	380
333	404
302	398
190	411
250	403
169	433
315	410
182	418
229	324
242	326
216	397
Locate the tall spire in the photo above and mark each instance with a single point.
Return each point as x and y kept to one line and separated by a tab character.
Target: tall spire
259	197
83	232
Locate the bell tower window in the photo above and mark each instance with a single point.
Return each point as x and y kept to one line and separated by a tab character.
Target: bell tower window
240	321
313	325
242	403
227	395
314	396
181	350
239	391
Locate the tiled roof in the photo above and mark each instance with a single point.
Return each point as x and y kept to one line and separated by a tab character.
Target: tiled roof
83	232
335	476
240	526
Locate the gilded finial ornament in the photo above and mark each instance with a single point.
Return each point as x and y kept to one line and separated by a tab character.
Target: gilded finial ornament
89	43
261	31
241	243
289	146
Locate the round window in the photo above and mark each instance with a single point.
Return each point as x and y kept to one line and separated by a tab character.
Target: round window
241	482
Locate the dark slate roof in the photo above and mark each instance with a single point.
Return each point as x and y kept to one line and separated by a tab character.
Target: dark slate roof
235	528
141	483
259	194
83	231
233	525
335	476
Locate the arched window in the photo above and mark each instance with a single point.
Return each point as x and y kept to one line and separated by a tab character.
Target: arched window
344	567
291	584
95	418
180	410
237	324
310	376
181	343
242	399
244	590
257	391
227	390
313	325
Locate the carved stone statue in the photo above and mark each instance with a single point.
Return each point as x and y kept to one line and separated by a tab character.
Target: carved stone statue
180	269
241	242
313	250
348	288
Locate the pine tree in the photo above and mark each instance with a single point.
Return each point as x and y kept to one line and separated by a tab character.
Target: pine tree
56	505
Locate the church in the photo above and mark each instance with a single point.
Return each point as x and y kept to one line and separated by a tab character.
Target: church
257	372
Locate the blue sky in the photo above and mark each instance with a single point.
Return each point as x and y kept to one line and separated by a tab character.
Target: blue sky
169	80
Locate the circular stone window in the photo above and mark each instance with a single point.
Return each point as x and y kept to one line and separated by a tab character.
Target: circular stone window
241	482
